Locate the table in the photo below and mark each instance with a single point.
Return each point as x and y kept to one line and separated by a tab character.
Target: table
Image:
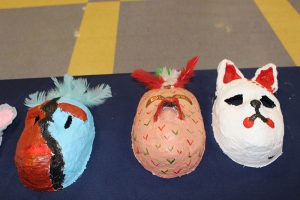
114	173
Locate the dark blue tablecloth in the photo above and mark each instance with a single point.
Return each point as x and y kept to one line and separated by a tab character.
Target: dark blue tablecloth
114	173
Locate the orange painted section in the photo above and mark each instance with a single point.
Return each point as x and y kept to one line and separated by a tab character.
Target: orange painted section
33	155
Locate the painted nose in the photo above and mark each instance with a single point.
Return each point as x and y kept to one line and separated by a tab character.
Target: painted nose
255	104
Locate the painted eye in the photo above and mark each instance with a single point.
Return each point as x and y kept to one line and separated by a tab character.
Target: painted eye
68	122
267	102
235	100
37	118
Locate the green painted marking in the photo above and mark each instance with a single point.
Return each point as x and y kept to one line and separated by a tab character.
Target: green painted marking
191	132
146	153
164	172
171	149
147	123
171	161
175	132
134	138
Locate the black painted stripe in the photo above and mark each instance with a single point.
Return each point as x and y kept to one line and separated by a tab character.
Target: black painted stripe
57	162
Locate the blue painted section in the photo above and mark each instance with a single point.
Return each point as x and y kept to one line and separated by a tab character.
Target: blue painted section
76	142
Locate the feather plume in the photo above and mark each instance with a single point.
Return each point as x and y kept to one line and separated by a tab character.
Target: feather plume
77	89
98	95
186	73
151	81
35	99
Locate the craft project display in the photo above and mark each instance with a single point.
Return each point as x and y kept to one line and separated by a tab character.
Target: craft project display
168	136
7	115
247	119
57	140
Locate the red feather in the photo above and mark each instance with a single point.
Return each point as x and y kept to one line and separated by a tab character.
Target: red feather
186	73
151	81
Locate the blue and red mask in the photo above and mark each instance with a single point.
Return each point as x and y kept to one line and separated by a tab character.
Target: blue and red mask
55	145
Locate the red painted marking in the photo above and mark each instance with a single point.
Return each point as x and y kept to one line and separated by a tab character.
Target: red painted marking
74	110
195	121
38	150
179	151
266	78
161	128
156	164
248	123
137	151
148	112
140	111
166	137
189	163
178	171
190	142
170	100
230	74
270	123
145	137
33	156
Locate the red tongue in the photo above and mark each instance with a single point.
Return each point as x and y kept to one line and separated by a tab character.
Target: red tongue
248	123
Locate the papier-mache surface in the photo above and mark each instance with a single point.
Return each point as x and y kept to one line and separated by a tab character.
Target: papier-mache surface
57	140
168	136
246	116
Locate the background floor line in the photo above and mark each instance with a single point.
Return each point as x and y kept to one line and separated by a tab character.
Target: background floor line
94	51
10	4
285	22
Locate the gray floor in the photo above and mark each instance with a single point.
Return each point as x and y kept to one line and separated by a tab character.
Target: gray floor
153	35
38	42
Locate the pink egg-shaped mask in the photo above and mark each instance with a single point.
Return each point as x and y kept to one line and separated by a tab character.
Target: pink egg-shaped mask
168	136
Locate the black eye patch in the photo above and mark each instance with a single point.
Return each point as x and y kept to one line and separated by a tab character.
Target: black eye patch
37	118
68	122
267	102
235	100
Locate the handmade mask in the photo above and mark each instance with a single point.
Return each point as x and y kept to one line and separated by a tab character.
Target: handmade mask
247	119
7	115
57	140
168	136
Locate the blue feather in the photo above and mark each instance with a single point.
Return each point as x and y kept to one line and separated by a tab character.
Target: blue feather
77	89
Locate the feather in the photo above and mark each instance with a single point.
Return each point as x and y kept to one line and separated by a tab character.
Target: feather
35	99
77	89
98	95
186	73
151	81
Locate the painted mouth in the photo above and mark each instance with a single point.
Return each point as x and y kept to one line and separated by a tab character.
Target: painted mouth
169	103
249	121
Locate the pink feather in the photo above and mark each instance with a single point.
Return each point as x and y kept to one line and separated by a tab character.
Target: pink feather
151	81
186	73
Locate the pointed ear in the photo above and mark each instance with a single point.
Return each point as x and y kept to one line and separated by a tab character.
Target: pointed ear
267	77
7	115
227	72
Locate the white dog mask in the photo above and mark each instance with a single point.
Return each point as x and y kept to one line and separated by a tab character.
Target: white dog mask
247	119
